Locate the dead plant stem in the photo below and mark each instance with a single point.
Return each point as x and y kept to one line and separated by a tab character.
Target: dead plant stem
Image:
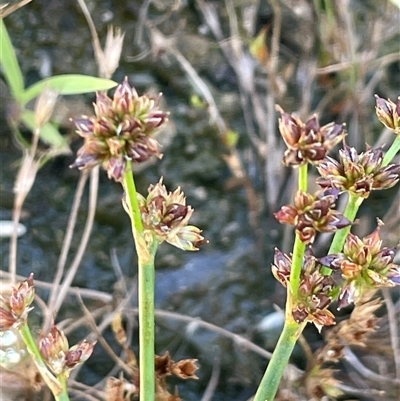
65	248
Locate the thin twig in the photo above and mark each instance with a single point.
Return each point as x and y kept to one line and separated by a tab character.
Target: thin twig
213	382
272	163
7	9
394	330
65	248
355	363
94	183
98	52
84	292
92	324
236	338
118	271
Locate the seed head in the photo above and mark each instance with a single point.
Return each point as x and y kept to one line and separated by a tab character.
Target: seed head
166	216
358	174
307	142
364	264
315	290
281	267
312	213
14	309
44	108
122	128
388	113
57	354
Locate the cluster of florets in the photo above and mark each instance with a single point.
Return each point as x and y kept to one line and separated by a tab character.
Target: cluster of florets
61	358
388	113
123	128
312	213
307	142
315	290
14	308
54	347
364	263
165	216
358	174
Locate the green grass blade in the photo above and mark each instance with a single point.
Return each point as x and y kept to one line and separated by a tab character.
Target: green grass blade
48	133
9	63
68	84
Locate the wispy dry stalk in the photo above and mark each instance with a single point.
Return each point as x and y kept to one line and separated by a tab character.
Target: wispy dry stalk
30	165
233	158
394	325
7	9
108	59
63	289
213	382
23	184
96	330
65	249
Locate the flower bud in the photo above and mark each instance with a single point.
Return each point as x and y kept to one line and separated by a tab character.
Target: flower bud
57	354
312	213
14	309
307	142
44	107
364	264
122	128
165	216
388	113
358	174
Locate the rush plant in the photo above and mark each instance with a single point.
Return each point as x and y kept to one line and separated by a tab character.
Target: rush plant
363	263
120	134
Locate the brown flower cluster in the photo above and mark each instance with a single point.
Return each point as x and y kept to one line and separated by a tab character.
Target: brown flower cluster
388	113
14	308
184	369
315	290
364	264
312	213
165	215
358	174
123	128
165	366
59	357
307	142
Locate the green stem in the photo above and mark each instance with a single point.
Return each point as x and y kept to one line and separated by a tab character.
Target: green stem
297	263
392	151
303	178
292	330
340	236
146	283
350	212
132	201
62	378
59	391
280	358
299	247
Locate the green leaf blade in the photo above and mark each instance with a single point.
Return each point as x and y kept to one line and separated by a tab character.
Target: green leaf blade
8	60
49	134
68	84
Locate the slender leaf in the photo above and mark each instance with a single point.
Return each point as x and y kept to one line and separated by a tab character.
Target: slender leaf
9	63
48	133
396	3
68	84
